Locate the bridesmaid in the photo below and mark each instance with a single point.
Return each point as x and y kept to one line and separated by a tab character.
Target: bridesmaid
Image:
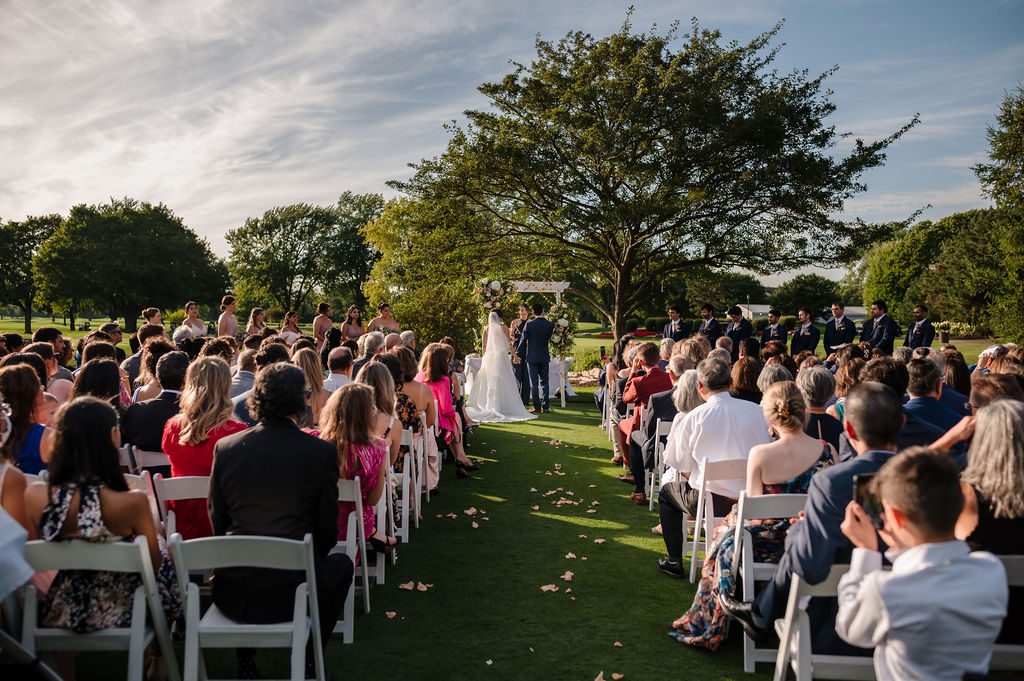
227	323
352	327
256	323
322	323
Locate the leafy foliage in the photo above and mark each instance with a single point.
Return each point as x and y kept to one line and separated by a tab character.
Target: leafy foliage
895	267
810	290
721	289
1003	176
19	242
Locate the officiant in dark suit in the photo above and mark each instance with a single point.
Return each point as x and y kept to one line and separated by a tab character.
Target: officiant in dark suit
921	333
677	328
535	339
709	328
840	330
738	329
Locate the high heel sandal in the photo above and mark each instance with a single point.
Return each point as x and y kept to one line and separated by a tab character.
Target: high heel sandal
380	546
467	466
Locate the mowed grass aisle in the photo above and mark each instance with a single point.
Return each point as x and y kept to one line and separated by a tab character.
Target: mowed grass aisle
486	617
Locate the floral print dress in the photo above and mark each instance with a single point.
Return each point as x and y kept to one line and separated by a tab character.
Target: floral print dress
89	600
409	416
703	625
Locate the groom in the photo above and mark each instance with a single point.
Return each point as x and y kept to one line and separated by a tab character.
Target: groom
534	341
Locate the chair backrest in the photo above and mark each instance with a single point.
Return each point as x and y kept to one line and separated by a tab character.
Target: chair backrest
663	428
349	490
407	438
1014	569
147	459
143	482
765	507
124	455
78	554
725	469
211	553
181	488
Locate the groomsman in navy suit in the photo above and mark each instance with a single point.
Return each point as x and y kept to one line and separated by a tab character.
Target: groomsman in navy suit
677	328
774	331
884	328
840	330
921	333
737	330
709	328
807	335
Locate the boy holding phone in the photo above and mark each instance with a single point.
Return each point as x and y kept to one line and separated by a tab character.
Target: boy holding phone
936	615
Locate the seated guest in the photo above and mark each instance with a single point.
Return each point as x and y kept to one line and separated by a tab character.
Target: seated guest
268	355
144	421
102	379
12	480
53	336
993	516
88	498
388	428
783	360
133	365
902	354
987	388
223	347
785	466
332	340
644	379
29	359
721	353
685	398
113	329
665	352
958	402
805	336
58	387
772	373
149	383
774	331
924	387
660	406
916	431
745	373
411	398
190	436
339	363
242	381
847	376
307	360
816	543
392	340
724	343
957	377
936	615
373	343
817	385
26	444
750	347
409	339
274	480
737	330
720	429
434	373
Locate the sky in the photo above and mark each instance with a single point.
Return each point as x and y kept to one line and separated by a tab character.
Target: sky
222	110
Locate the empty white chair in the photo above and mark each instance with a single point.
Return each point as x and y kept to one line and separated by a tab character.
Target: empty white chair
178	489
705	522
216	630
109	557
653	483
744	568
1005	656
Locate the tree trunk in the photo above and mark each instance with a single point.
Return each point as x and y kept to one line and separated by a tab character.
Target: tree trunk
26	310
71	317
618	317
131	322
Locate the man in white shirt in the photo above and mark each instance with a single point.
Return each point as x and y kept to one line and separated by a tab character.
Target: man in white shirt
339	362
720	429
937	614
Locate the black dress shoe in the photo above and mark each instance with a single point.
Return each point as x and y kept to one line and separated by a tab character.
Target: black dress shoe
743	612
671	568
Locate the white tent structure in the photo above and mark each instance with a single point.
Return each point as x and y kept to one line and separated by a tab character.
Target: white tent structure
556	287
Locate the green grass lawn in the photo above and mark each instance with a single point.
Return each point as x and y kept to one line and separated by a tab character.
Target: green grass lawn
485	617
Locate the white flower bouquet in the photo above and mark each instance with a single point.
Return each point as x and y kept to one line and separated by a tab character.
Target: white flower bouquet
491	292
564	320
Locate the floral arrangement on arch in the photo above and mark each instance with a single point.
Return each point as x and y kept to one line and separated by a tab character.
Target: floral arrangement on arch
563	337
491	292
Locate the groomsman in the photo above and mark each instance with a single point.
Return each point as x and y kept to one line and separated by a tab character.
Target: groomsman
737	330
677	329
921	333
883	330
774	331
806	336
709	328
840	330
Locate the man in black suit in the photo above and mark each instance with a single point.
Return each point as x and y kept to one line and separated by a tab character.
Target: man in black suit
373	344
921	333
677	328
805	336
274	480
144	421
840	330
709	328
774	331
737	330
883	328
535	339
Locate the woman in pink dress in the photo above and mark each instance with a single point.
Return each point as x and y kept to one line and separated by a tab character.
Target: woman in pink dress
322	324
352	327
434	371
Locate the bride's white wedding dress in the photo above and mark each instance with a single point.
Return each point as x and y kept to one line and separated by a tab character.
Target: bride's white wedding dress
495	396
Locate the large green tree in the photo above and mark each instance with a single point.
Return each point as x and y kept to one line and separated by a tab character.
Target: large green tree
722	290
895	267
805	290
19	243
355	211
640	159
123	256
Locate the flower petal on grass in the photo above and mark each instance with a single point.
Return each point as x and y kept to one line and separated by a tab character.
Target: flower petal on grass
570	555
618	644
567	577
582	536
549	587
617	676
475	524
599	541
390	614
408	586
470	511
535	508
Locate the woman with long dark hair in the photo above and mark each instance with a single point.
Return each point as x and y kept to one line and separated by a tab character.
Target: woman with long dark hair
352	327
434	371
332	339
26	445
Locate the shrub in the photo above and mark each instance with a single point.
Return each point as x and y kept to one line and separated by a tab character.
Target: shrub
585	360
651	323
760	324
788	322
632	324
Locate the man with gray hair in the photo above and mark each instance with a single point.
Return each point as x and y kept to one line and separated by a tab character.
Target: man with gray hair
408	339
392	340
725	343
723	428
373	344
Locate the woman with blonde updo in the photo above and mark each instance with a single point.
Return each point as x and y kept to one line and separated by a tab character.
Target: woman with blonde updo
784	466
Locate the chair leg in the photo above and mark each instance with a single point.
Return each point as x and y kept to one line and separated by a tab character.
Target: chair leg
137	638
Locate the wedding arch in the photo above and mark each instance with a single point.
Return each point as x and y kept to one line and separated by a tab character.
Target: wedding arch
556	287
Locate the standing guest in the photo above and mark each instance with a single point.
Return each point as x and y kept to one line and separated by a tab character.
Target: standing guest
408	340
12	480
53	336
774	331
883	330
322	323
274	480
709	328
350	426
388	428
677	328
384	322
243	379
352	327
847	376
190	436
738	329
806	336
332	340
144	421
149	383
316	397
152	315
192	321
227	323
256	323
921	333
645	378
720	429
133	365
936	615
339	363
372	344
745	373
267	356
818	385
26	442
58	387
290	331
434	372
840	330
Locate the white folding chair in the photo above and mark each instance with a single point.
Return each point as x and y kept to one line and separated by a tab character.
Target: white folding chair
795	637
216	630
346	625
121	557
1006	656
743	566
405	483
653	482
705	522
143	482
124	458
348	490
178	489
142	458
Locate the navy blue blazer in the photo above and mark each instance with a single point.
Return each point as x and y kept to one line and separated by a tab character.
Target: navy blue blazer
839	334
710	329
920	336
769	334
738	332
682	332
956	401
883	335
934	412
801	341
536	335
866	329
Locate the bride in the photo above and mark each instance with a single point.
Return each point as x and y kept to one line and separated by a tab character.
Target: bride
495	396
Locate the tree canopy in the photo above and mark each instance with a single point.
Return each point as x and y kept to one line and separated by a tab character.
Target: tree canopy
644	154
1003	176
806	290
19	243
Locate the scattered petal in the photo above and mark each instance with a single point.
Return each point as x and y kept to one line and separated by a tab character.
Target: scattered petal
470	511
599	541
582	536
567	577
591	510
533	489
595	503
617	676
487	519
531	649
570	555
490	662
390	614
599	677
618	644
549	587
591	486
535	508
569	590
475	524
408	586
420	586
583	558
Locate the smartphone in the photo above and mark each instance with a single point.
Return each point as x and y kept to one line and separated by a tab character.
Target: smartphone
865	495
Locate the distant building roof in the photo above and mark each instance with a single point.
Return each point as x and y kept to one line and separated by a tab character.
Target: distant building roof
755	311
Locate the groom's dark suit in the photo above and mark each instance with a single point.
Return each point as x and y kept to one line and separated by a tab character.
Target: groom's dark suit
534	340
